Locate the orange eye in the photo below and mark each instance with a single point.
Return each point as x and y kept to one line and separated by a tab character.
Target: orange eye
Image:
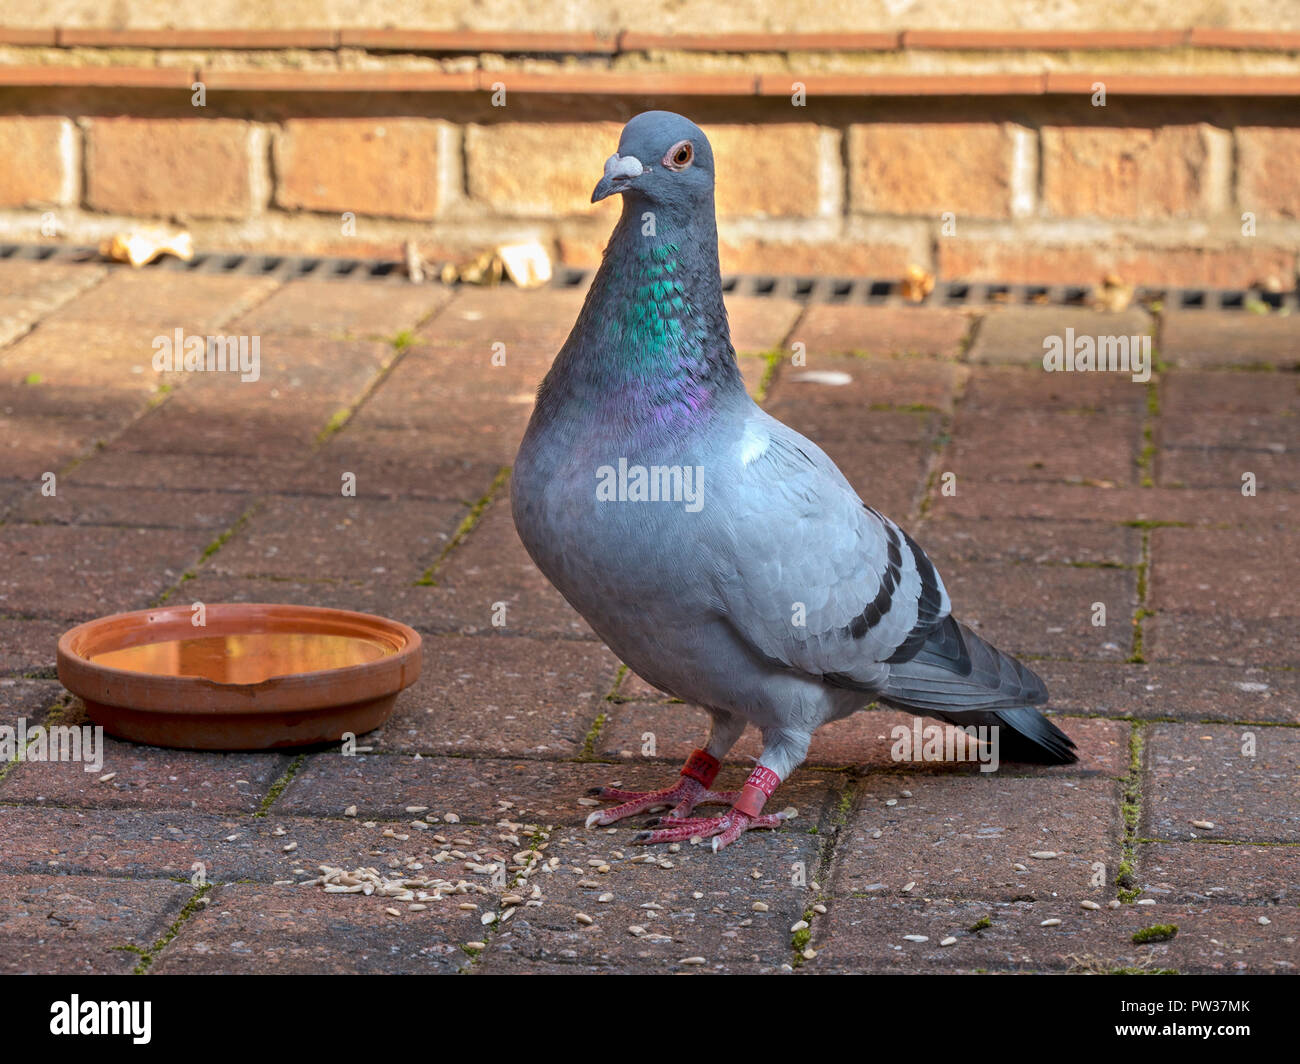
680	155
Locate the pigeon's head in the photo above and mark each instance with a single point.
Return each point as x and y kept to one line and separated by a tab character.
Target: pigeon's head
662	159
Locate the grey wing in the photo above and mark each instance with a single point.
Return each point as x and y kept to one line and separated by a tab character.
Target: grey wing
820	582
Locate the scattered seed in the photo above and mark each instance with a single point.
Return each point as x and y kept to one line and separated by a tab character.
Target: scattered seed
694	961
584	919
417	808
819	908
468	906
876	834
760	906
916	938
1113	903
1053	922
417	907
949	941
892	801
393	912
906	794
588	801
476	945
606	897
636	929
451	818
1146	901
1019	867
289	847
1265	920
1204	825
909	886
1088	904
1044	855
798	925
809	953
108	776
350	811
487	918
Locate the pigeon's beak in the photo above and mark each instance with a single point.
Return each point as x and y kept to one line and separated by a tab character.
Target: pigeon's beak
619	173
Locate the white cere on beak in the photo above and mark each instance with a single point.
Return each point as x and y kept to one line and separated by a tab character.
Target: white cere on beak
623	166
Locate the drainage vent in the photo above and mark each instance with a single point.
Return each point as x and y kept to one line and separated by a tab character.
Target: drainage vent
860	291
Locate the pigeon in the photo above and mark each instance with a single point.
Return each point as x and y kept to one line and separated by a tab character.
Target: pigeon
721	555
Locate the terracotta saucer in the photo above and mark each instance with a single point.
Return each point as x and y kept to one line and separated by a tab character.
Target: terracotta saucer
253	677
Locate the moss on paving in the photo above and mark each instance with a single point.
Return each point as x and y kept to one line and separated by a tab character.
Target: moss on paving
277	788
1155	933
147	957
1131	812
465	527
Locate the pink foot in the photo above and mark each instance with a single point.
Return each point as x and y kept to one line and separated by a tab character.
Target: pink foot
724	830
680	799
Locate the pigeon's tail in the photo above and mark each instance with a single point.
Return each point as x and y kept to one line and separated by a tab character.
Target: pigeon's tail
959	678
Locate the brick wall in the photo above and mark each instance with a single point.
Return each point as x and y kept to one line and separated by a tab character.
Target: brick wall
1183	189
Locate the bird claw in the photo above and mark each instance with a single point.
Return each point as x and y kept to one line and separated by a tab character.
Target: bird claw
723	830
680	799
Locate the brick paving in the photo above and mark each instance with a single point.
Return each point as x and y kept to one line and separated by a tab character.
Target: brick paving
1071	491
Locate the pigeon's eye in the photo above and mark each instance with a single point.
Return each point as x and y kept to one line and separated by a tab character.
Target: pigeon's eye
680	155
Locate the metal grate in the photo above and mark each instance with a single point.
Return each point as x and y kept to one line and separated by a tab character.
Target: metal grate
846	290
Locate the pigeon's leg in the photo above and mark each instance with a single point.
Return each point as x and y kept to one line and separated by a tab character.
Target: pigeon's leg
692	789
783	749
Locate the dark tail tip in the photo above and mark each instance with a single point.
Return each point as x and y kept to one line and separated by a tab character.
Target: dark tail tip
1029	736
